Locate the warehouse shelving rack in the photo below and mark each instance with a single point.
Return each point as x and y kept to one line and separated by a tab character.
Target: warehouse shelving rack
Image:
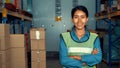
15	17
108	18
11	17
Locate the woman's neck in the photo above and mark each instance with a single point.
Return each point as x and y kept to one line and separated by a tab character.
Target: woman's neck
80	33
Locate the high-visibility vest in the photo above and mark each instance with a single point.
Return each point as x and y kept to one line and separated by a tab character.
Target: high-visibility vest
79	48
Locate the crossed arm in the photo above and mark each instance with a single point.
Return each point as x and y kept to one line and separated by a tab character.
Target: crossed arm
95	51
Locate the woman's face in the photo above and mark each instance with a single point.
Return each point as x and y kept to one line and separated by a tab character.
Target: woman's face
79	19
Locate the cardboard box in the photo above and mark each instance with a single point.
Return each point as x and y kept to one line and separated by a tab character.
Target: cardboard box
4	63
38	44
18	58
0	44
37	33
41	64
0	59
4	36
5	43
38	56
13	58
7	63
4	29
17	40
5	55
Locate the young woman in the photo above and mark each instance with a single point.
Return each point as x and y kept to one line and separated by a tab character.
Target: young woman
79	48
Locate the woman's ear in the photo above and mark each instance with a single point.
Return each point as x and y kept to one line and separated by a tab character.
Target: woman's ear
87	19
71	19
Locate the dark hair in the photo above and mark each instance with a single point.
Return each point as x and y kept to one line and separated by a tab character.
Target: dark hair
79	7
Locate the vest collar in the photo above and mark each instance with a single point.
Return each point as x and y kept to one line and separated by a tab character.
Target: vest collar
83	39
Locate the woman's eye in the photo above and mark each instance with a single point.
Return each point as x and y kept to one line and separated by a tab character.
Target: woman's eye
82	16
75	17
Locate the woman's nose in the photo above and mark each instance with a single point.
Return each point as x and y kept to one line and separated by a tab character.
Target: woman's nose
79	19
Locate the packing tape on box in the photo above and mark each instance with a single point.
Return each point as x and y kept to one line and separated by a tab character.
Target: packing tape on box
37	35
38	52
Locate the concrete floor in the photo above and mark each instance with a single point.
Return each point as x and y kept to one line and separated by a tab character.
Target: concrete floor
54	63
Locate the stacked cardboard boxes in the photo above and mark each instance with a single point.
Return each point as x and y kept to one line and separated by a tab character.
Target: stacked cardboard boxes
12	49
4	45
0	57
38	48
18	51
4	36
4	59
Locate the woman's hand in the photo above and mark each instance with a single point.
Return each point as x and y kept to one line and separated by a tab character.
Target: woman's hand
95	51
76	57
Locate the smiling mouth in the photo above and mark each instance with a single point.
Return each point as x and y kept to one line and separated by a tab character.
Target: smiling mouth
79	24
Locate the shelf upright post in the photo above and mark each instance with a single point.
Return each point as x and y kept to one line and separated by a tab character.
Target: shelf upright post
22	24
4	14
31	25
109	21
22	4
22	27
14	26
110	43
97	9
28	27
109	34
97	6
